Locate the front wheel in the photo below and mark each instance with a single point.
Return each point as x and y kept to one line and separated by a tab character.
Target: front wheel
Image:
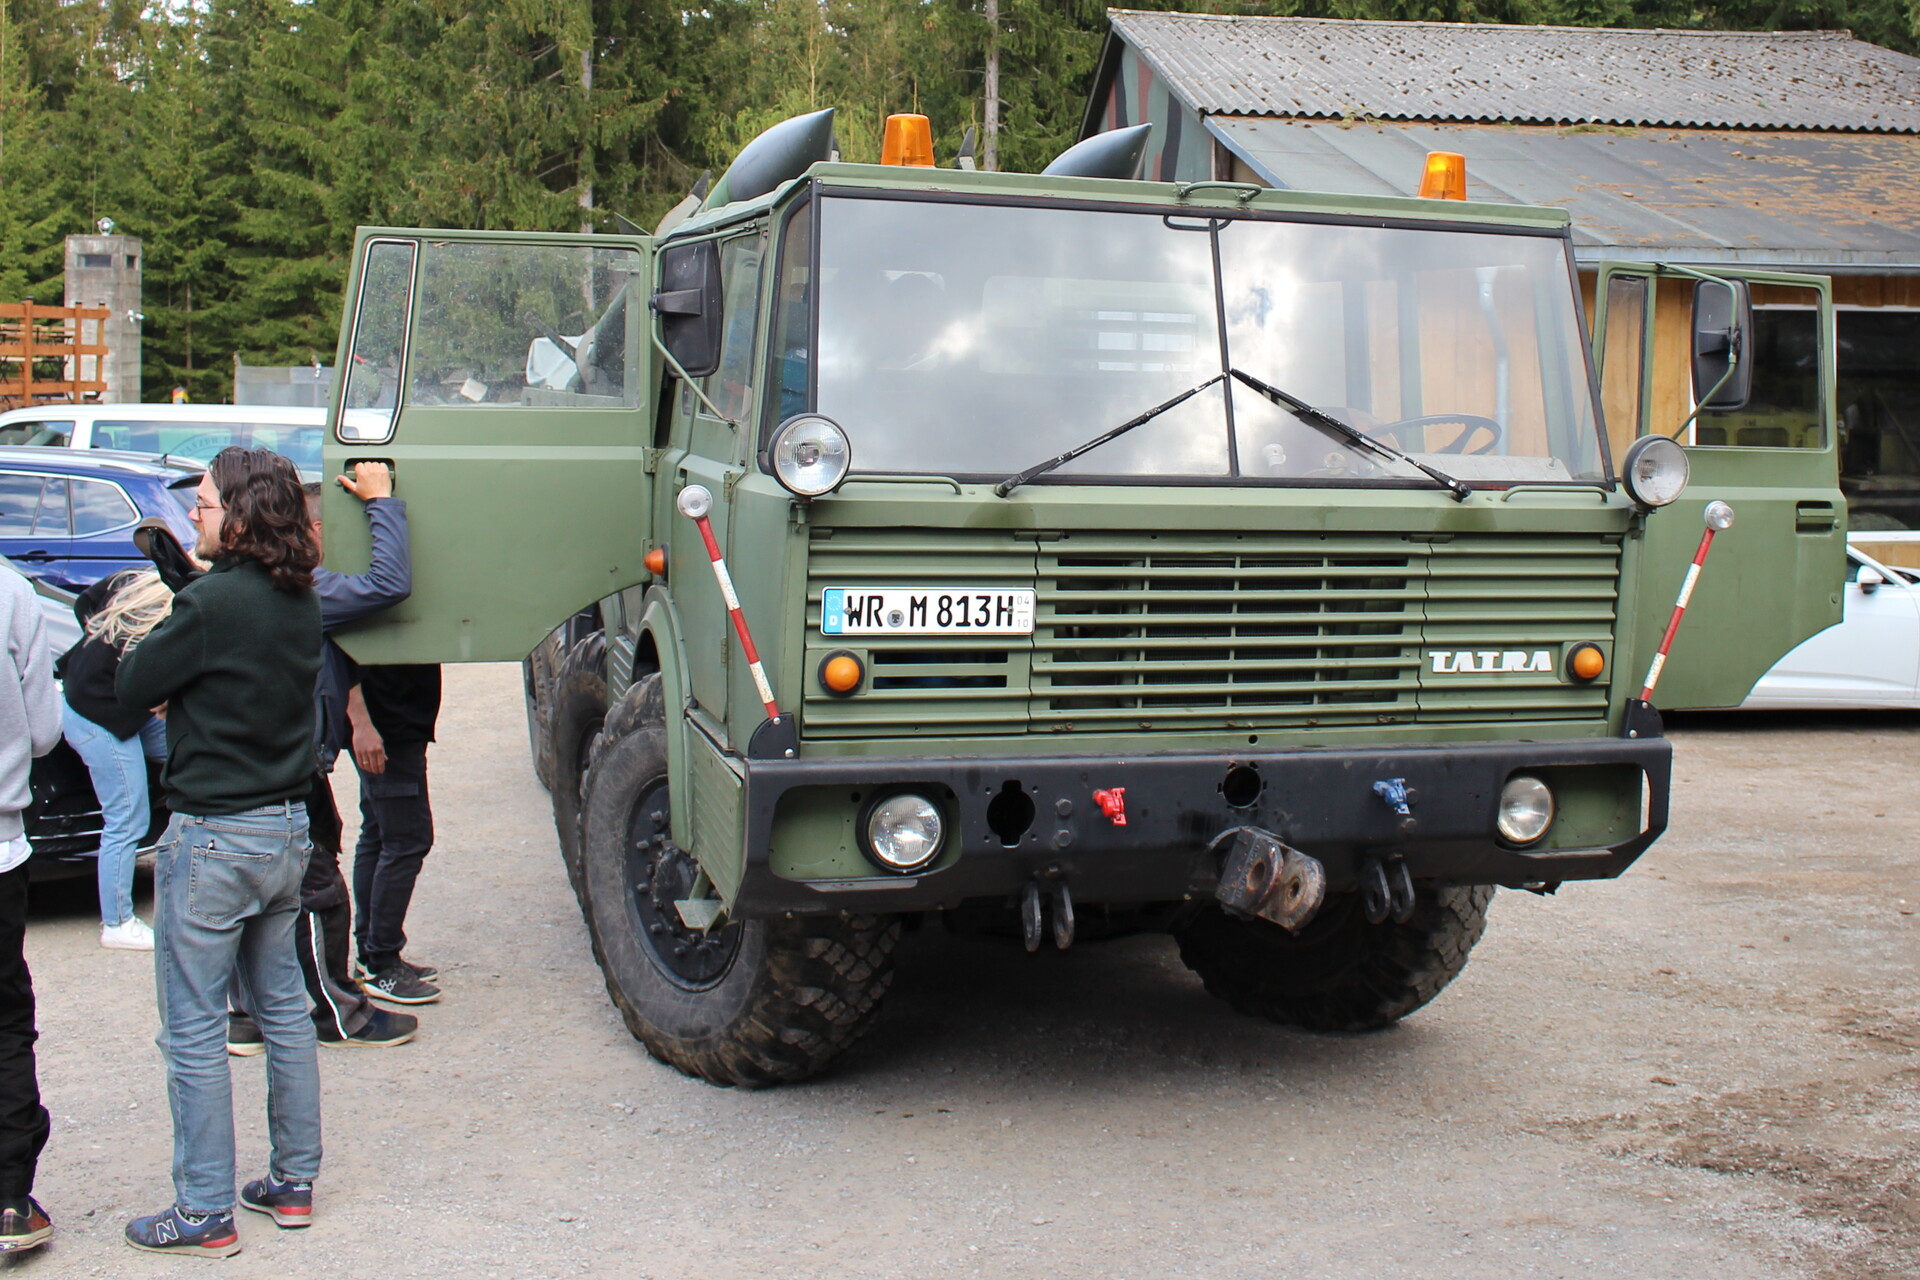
1339	973
752	1003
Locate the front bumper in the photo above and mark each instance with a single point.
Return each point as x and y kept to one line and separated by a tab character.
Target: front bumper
1320	801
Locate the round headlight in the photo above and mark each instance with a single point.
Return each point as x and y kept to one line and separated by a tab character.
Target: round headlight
1526	809
811	455
903	832
1656	471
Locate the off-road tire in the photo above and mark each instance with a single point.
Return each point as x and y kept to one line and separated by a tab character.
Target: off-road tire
1340	973
796	992
579	709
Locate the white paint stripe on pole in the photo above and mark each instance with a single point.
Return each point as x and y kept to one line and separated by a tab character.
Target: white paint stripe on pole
1686	588
760	682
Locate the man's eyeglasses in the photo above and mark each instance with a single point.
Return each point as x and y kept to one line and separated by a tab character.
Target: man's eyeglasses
208	506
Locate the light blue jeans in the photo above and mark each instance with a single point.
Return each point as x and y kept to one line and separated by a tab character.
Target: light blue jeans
226	894
119	771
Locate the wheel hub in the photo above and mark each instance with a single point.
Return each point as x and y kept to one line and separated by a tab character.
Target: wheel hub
660	874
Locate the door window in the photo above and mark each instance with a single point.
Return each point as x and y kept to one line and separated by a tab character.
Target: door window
505	324
1785	410
1623	360
52	520
731	386
99	507
372	392
48	432
19	500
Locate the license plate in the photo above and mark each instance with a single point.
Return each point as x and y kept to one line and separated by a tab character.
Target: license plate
925	611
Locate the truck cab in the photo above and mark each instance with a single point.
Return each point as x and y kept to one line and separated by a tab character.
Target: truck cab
1060	555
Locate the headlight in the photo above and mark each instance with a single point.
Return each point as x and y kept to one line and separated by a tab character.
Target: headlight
811	455
1526	809
1656	471
903	832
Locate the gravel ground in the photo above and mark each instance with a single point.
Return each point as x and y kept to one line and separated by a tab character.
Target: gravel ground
1706	1068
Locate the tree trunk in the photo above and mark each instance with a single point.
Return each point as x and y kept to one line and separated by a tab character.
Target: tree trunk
990	114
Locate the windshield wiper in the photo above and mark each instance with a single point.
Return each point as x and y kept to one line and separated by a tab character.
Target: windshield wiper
1327	422
1019	478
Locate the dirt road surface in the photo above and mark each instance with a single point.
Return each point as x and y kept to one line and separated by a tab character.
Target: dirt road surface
1705	1069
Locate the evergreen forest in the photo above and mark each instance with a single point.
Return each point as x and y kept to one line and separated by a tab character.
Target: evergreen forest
244	140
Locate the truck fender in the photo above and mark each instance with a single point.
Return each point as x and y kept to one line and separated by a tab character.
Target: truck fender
660	623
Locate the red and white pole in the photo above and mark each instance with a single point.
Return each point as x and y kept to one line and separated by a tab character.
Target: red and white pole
695	502
1719	516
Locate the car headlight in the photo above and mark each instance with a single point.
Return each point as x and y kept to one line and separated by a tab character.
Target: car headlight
903	832
811	455
1526	809
1656	471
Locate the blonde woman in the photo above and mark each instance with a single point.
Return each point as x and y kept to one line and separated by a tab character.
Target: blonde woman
115	740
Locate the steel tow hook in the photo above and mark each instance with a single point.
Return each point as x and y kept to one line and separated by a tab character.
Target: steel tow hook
1386	889
1036	907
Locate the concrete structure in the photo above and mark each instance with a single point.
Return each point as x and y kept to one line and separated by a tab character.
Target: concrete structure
1792	151
104	271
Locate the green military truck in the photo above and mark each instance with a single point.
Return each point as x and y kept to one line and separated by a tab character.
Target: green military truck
1109	555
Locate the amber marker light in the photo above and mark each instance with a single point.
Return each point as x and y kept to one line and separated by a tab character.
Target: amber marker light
841	673
1586	662
1445	177
908	141
656	562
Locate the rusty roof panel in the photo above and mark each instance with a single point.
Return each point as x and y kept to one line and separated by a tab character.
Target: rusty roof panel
1336	68
1783	198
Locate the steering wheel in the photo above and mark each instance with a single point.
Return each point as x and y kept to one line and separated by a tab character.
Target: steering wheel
1470	423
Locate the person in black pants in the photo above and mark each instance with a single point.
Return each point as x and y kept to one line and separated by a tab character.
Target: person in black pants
29	727
393	712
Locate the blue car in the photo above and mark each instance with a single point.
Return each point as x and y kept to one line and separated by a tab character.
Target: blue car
67	517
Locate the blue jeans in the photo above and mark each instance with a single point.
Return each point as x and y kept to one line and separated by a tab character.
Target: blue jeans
226	893
119	771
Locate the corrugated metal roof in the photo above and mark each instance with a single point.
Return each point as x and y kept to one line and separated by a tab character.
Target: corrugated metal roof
1786	199
1334	68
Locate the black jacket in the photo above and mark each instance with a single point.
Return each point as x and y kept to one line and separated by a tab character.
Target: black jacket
87	670
235	664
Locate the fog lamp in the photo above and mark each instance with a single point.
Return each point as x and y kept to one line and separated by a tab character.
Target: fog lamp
811	455
1656	471
903	832
1526	809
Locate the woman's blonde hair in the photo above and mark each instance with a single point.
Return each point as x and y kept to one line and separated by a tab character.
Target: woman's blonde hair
137	606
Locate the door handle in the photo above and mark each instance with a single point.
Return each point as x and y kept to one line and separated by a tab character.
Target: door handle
36	556
1815	517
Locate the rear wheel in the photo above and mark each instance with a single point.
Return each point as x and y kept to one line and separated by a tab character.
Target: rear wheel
753	1003
1339	973
579	709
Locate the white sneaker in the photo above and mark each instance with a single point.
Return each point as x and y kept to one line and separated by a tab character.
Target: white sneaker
131	934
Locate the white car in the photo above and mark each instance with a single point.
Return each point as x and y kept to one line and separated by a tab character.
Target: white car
192	431
1871	658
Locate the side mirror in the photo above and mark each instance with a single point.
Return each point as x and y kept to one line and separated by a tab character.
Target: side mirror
1722	343
689	305
1870	580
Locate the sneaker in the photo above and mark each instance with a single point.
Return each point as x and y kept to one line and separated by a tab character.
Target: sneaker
131	934
398	985
289	1204
383	1030
243	1036
424	972
21	1231
175	1231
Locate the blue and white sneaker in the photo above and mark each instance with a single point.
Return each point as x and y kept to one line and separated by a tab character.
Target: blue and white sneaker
289	1204
175	1231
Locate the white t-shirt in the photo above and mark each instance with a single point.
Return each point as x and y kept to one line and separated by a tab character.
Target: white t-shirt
13	852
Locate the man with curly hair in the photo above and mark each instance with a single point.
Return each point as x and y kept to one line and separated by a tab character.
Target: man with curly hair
234	666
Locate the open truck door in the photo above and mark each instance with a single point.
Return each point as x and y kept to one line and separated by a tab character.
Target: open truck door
1739	367
508	381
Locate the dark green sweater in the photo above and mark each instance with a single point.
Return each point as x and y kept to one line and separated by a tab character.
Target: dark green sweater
235	664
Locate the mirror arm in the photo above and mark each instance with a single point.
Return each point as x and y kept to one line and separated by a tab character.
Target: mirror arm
1733	363
681	373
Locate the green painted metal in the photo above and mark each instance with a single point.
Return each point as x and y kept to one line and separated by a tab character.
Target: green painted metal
1775	577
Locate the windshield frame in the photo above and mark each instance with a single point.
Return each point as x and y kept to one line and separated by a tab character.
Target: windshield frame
811	194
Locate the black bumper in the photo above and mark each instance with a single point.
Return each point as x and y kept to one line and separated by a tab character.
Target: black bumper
1320	801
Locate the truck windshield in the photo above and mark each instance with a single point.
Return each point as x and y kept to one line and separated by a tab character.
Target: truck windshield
972	340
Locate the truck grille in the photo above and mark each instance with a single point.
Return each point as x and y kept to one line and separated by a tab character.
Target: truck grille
1208	632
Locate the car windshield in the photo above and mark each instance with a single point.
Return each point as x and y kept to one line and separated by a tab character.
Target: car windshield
199	441
973	340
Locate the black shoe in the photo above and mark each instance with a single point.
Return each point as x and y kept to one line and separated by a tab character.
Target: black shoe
424	972
397	984
383	1030
243	1036
289	1204
21	1231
